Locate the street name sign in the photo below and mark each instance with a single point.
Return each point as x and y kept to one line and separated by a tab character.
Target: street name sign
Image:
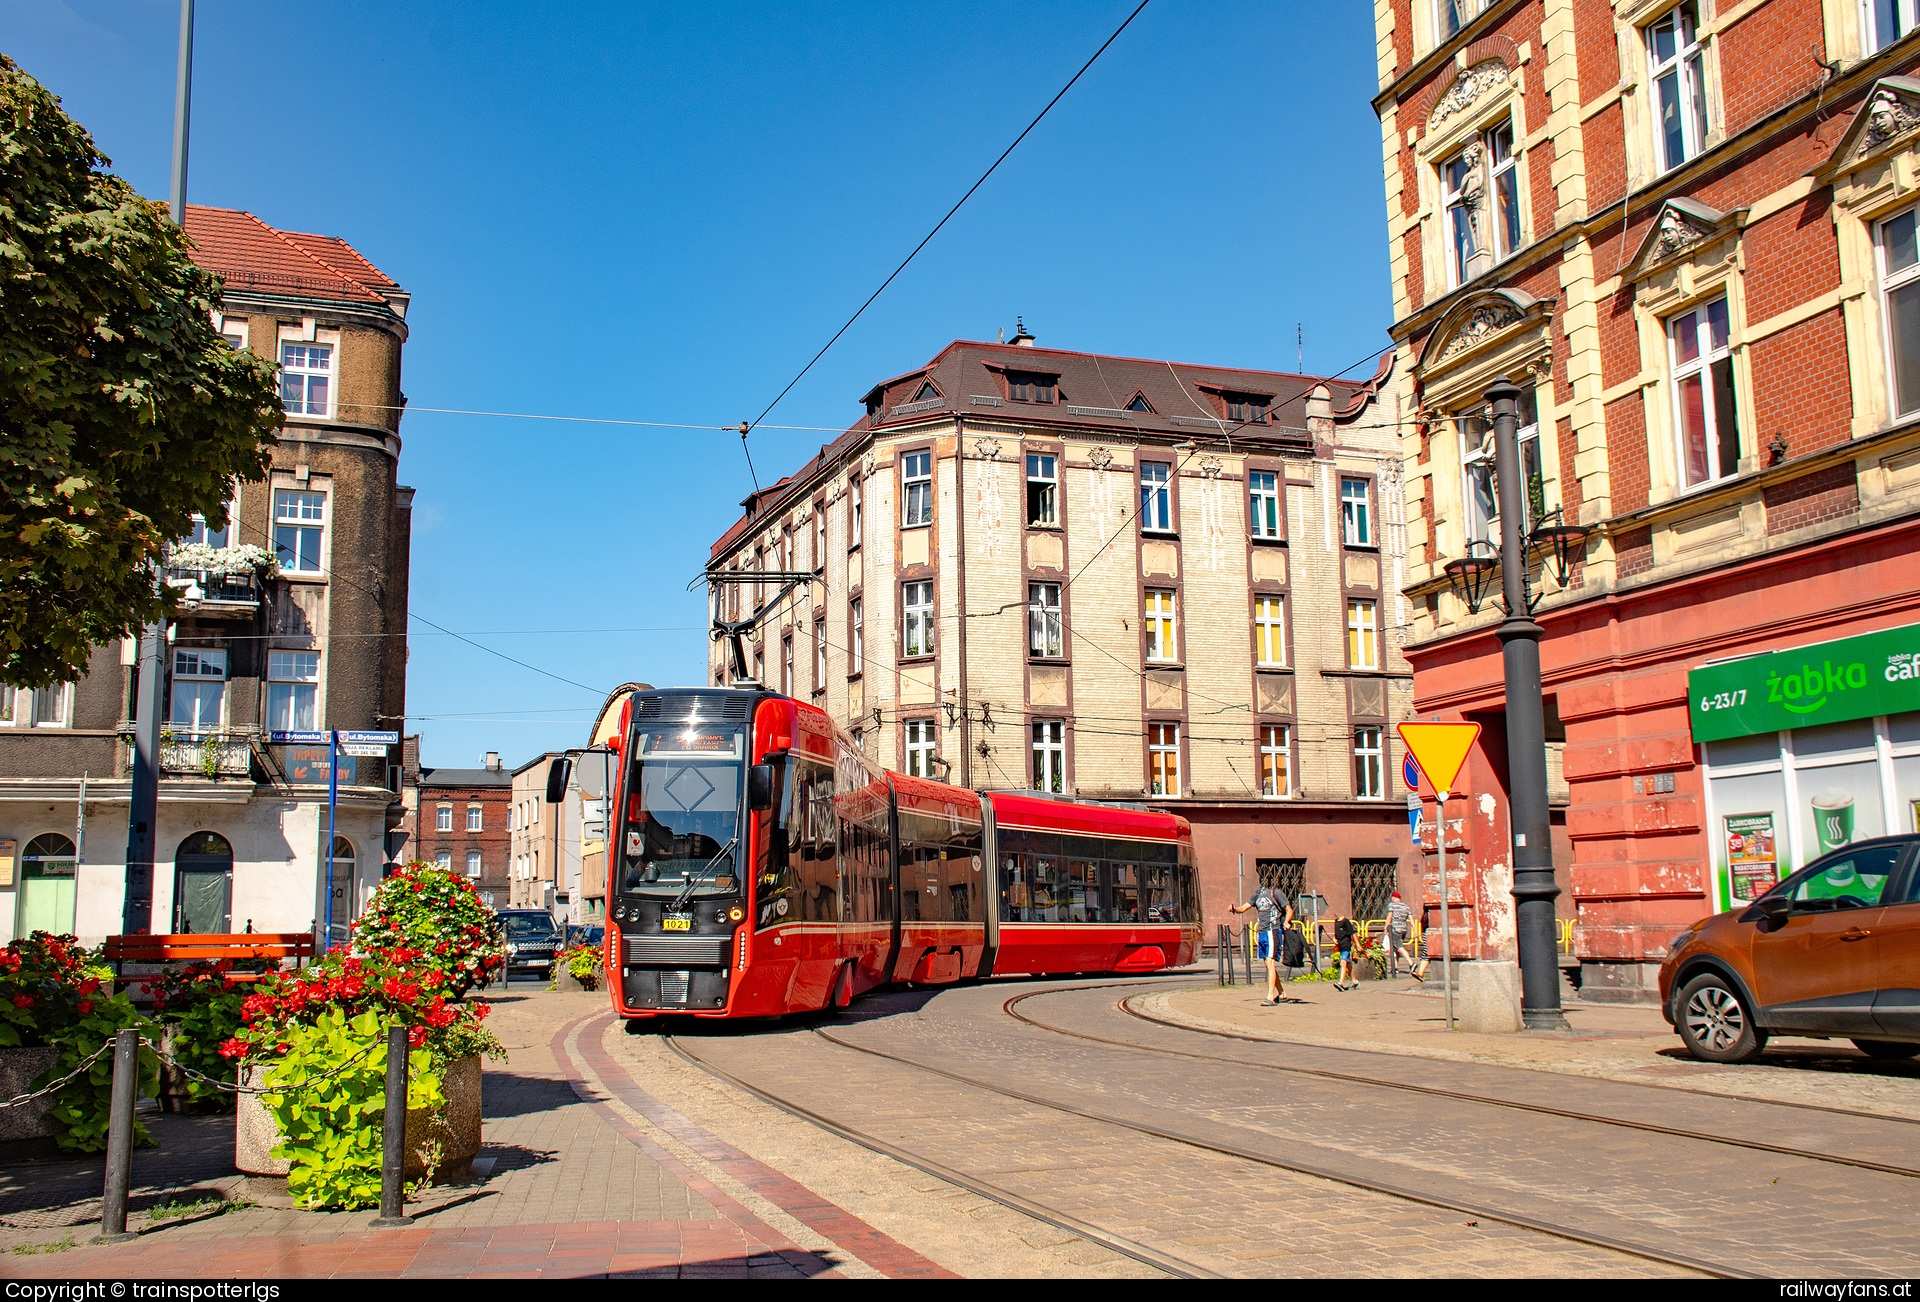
281	737
1440	749
370	738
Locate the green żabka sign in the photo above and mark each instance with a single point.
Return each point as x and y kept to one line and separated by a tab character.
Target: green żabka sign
1829	682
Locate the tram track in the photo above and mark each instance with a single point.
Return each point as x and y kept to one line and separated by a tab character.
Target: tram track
1353	1078
1133	1248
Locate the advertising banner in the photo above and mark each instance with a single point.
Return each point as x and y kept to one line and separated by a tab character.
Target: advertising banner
308	765
1829	682
1753	865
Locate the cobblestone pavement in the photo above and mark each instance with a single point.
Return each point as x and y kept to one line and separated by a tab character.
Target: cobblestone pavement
1624	1043
1690	1198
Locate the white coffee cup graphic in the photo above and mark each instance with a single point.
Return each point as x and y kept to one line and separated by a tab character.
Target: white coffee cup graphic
1833	819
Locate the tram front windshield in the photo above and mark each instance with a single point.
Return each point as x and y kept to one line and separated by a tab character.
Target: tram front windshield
682	825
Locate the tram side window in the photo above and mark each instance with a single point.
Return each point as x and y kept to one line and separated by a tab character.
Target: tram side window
865	856
940	877
811	836
1123	892
1189	884
1027	864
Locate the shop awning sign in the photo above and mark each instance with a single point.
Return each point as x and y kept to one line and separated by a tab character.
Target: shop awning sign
1440	749
1828	682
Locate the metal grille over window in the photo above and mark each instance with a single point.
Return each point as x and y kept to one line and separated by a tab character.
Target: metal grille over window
1371	884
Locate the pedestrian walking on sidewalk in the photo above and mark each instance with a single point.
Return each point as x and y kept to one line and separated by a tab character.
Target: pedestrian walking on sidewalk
1343	937
1273	914
1399	933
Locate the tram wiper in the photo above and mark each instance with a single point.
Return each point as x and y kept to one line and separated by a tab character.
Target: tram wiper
694	879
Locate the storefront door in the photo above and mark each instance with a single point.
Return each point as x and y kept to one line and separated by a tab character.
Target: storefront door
46	886
203	885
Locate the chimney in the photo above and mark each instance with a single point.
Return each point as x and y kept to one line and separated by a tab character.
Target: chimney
1020	335
493	760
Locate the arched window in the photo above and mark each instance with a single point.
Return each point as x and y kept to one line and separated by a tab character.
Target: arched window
46	886
203	885
343	892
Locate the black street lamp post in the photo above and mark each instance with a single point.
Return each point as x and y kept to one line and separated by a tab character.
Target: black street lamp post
1534	890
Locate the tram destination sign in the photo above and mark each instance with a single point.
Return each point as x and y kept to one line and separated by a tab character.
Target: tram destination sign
1828	682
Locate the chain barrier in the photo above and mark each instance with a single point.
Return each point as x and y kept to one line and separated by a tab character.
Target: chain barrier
21	1100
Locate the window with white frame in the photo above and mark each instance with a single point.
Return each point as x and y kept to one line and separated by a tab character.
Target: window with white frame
1477	464
916	607
1163	759
1276	770
1269	631
473	818
1363	635
1043	489
1044	629
235	333
1369	766
1481	187
473	862
443	819
916	488
786	664
1156	497
1356	513
1888	20
819	655
198	700
856	498
856	637
1158	615
820	535
1677	73
1263	503
922	747
1050	756
513	817
443	858
299	528
306	379
1899	241
1705	415
51	704
293	691
1449	16
215	538
9	696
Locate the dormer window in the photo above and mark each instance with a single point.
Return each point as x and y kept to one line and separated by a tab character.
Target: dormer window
1031	386
927	392
876	407
1249	408
1140	404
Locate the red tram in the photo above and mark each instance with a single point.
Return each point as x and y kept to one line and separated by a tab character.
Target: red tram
760	864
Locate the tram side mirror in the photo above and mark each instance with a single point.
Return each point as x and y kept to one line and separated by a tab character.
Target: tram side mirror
760	787
557	774
593	772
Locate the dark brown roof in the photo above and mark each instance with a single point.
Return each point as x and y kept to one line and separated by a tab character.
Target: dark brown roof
1093	391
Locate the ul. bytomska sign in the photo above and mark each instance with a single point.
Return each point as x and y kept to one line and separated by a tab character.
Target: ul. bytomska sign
1828	682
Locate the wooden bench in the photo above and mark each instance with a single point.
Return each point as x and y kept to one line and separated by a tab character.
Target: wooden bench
272	947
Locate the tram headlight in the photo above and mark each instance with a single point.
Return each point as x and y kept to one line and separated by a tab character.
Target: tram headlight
736	913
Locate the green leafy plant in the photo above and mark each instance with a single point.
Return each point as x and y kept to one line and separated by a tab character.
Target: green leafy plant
123	412
200	1004
430	918
56	992
583	964
327	1090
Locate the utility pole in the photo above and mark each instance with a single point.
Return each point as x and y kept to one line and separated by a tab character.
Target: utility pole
1534	890
150	692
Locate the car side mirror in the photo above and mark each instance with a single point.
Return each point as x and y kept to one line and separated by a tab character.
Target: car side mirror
558	773
1774	908
760	787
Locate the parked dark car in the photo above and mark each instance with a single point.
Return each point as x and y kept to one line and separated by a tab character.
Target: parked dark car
586	935
532	939
1831	952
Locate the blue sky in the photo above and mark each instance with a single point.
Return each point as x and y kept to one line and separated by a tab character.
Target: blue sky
658	212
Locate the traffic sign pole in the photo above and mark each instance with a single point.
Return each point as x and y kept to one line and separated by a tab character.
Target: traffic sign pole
333	806
1440	749
1446	910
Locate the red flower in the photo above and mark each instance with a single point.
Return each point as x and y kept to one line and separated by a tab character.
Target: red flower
23	1001
480	1010
86	1006
233	1048
90	986
417	1037
282	1047
159	1003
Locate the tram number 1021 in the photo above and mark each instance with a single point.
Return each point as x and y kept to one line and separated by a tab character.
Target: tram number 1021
1724	700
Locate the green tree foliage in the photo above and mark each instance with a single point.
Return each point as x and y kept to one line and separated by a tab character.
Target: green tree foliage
122	410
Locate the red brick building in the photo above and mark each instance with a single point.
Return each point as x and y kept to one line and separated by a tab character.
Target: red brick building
1688	231
459	821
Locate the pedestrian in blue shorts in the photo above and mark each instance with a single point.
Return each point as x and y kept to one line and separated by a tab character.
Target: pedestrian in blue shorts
1273	913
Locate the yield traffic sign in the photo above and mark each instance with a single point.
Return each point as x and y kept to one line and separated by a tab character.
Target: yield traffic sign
1440	749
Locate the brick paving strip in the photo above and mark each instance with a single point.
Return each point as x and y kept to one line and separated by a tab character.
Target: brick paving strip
553	1155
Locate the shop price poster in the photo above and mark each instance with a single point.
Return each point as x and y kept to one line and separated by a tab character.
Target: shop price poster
1752	864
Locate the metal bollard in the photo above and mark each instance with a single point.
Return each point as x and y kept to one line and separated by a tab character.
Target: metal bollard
393	1134
126	1070
1220	955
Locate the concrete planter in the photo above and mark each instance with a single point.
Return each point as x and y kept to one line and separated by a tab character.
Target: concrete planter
565	980
255	1132
19	1068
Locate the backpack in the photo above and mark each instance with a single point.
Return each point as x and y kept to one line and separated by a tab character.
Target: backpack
1293	949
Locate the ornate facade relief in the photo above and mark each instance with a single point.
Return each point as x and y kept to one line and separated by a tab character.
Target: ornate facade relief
1100	458
1887	115
1468	87
988	449
1485	321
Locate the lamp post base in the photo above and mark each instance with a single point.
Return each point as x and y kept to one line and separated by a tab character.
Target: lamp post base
1545	1019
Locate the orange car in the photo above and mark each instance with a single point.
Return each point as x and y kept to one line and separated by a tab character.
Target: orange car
1832	951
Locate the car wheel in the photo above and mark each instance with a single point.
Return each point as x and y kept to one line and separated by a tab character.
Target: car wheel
1886	1050
1715	1023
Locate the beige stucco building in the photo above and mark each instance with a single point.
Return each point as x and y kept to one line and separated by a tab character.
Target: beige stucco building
1113	578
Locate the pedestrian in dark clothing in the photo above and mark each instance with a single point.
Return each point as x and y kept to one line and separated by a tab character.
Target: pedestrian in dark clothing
1344	933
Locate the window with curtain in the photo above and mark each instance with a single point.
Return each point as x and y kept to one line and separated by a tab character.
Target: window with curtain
1706	417
1900	291
1044	628
1677	73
